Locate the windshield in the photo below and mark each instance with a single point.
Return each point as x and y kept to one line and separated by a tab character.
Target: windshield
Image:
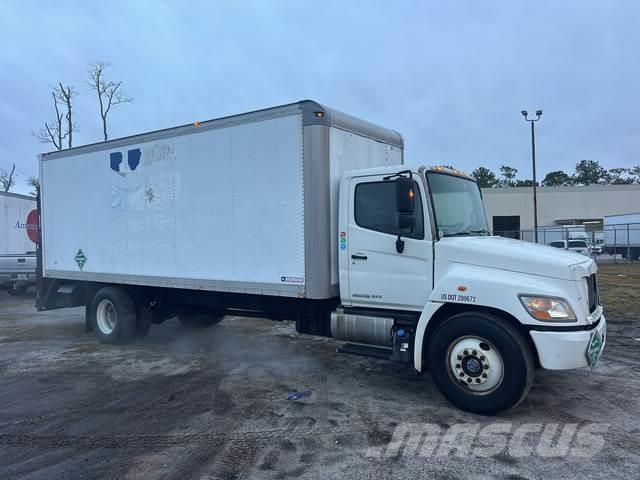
458	206
577	244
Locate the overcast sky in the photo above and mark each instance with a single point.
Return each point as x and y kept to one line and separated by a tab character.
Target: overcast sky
452	76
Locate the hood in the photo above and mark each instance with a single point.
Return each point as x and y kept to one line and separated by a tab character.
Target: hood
516	256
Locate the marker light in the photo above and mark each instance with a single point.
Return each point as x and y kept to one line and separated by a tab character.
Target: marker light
549	309
319	114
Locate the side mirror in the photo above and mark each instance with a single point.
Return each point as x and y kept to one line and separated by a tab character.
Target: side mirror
405	205
405	191
406	222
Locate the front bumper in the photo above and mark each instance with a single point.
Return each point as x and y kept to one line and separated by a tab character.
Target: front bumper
566	350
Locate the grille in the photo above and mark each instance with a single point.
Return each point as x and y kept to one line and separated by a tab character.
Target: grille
592	291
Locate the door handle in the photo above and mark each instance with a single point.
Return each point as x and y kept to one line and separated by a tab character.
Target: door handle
359	256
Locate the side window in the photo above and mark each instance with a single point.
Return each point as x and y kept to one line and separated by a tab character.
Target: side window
375	209
557	244
577	244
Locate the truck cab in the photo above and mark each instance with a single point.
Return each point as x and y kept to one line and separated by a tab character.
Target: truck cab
421	274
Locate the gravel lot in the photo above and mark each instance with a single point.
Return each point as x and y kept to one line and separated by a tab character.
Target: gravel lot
214	404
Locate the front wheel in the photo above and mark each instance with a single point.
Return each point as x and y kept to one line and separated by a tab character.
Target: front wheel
480	363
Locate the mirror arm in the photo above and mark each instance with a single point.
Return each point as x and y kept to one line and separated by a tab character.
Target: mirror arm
399	174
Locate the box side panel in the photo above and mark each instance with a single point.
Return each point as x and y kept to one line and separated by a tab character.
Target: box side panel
218	209
622	219
14	237
350	151
622	230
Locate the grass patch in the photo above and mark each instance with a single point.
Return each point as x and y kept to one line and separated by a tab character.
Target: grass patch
619	287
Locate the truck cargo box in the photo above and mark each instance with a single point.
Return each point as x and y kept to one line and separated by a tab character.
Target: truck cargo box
245	204
622	230
622	235
18	224
18	236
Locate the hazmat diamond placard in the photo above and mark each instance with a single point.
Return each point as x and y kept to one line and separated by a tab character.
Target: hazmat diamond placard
80	258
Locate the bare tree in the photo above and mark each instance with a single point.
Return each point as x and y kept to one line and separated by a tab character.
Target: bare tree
66	96
7	179
34	182
109	92
53	133
57	131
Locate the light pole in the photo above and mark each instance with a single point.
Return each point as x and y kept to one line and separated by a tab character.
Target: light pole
532	121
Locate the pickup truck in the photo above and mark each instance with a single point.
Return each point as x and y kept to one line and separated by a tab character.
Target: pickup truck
17	273
578	246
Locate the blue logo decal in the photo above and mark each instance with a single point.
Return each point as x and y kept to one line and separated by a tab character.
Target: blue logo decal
133	159
116	160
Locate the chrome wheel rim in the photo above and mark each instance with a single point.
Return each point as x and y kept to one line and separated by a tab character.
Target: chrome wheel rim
475	364
106	316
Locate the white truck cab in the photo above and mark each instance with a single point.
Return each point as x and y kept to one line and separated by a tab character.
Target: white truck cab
490	308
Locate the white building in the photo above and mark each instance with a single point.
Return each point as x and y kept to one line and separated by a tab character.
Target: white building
511	209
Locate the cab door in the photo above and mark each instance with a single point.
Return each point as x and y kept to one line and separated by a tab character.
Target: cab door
379	275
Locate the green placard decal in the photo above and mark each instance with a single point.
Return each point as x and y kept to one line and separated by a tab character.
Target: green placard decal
80	258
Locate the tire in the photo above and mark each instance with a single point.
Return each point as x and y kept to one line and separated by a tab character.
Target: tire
17	292
144	316
113	315
199	320
487	376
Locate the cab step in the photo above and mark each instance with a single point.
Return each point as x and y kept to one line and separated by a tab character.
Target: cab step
365	350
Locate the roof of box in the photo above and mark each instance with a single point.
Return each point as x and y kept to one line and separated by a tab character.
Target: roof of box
313	113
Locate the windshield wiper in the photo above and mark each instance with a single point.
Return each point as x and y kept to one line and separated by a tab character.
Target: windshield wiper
466	233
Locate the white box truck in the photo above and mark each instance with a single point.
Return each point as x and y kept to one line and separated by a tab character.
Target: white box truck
622	235
301	212
18	235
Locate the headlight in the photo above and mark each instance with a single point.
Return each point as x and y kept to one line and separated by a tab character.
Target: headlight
550	309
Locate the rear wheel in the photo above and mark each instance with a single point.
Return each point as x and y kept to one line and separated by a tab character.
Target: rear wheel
480	363
17	291
199	320
113	315
144	316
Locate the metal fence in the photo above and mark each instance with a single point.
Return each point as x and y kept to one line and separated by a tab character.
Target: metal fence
609	243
